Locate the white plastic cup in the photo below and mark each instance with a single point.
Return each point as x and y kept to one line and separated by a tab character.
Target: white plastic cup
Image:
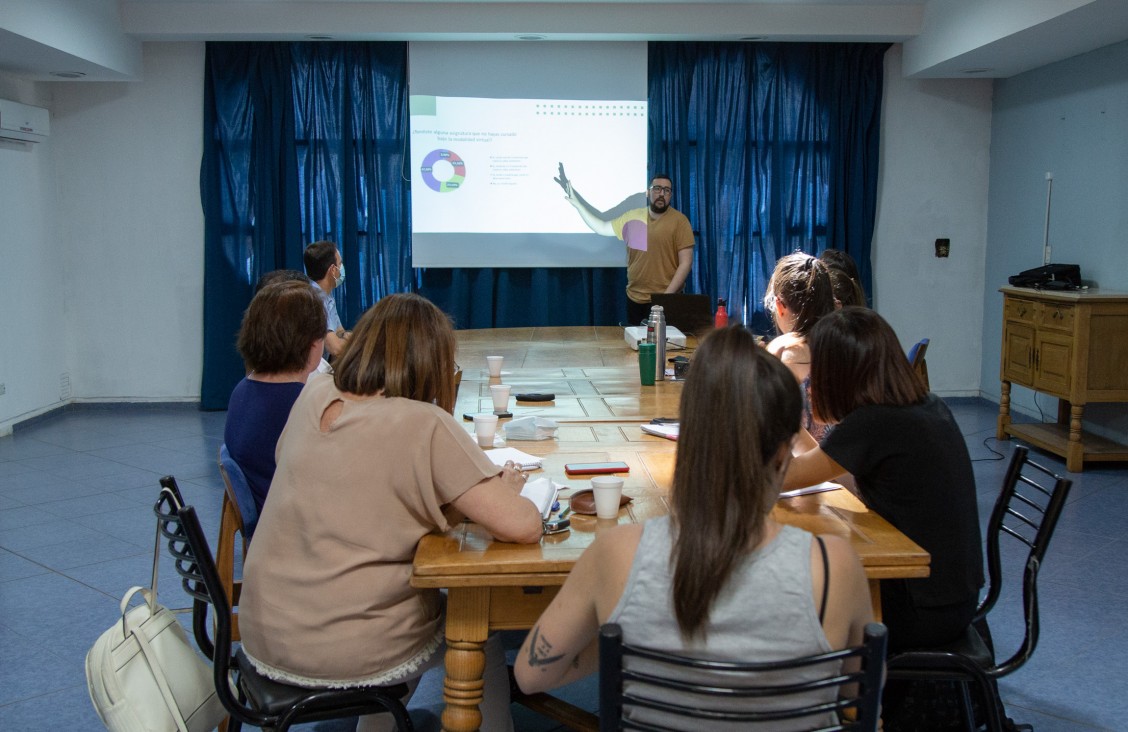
485	427
494	363
500	394
608	490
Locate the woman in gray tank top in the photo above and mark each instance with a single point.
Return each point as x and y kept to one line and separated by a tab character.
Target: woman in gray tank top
718	578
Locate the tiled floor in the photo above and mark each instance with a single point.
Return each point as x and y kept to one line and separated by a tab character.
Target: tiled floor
76	531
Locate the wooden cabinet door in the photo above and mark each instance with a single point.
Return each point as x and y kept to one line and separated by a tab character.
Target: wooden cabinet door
1018	353
1055	355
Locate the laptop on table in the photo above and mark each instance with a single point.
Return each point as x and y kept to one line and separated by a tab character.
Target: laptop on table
688	313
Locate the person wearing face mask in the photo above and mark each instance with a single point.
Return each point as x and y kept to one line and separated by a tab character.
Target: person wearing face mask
324	266
659	242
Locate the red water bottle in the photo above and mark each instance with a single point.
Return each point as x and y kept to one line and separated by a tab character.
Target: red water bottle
720	320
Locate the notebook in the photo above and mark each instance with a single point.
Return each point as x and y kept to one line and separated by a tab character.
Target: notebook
524	460
688	313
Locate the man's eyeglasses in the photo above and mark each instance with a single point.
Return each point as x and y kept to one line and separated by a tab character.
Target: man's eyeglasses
661	189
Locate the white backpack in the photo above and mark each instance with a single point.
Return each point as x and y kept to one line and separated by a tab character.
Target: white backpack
145	676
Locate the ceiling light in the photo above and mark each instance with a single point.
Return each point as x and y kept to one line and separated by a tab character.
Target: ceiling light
978	70
319	38
68	74
752	38
531	37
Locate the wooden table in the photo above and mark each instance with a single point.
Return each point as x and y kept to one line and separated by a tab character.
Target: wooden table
600	405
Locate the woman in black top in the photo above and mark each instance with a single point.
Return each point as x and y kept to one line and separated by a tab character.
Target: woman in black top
910	465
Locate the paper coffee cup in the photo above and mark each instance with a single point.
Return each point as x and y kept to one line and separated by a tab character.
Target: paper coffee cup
485	427
494	364
500	394
608	490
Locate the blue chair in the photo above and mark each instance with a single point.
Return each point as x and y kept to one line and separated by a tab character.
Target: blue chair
239	491
916	359
239	515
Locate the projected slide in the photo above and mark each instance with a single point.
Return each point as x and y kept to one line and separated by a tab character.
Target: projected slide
488	165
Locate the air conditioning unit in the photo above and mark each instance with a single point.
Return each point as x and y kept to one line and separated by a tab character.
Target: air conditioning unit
23	122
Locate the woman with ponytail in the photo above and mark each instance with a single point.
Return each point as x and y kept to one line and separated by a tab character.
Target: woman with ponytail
718	578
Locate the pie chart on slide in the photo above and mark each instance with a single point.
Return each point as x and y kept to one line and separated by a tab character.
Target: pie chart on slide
443	171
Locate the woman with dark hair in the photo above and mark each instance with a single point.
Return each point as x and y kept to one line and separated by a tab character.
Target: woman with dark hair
718	578
910	464
370	461
280	340
847	292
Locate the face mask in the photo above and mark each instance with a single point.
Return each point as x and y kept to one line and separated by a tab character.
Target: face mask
341	275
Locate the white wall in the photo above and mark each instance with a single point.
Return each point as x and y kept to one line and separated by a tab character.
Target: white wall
32	281
1069	119
935	138
102	240
132	225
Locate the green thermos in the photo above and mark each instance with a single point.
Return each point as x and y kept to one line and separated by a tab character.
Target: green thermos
646	362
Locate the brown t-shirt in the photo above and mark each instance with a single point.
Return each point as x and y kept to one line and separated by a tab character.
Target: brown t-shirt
651	271
325	587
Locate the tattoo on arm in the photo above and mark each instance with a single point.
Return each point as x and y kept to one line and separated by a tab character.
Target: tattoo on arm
539	650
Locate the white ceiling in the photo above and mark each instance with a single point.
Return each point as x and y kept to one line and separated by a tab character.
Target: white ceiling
101	39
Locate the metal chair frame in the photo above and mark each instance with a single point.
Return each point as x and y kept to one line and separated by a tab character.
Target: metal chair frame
1028	512
615	703
287	704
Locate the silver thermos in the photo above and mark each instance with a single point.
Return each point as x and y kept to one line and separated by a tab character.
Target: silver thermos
658	327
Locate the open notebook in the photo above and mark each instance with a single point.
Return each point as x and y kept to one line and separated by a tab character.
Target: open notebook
500	456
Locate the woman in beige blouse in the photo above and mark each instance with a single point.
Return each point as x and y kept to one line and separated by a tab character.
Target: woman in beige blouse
370	461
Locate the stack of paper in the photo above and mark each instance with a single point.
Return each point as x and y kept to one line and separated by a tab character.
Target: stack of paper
669	431
500	456
542	492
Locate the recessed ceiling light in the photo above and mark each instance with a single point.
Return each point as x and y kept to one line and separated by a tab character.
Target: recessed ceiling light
752	38
319	38
977	70
531	37
68	74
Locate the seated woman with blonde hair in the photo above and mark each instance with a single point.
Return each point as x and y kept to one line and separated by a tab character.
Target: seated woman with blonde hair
718	578
370	461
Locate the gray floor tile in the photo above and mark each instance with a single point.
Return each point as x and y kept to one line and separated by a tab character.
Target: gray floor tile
13	567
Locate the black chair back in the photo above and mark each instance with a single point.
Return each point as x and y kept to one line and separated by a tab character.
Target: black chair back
854	673
1027	512
261	702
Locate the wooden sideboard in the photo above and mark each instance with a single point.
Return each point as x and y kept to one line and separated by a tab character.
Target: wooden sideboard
1071	345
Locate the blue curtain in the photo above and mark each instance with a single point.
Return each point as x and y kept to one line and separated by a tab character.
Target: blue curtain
302	141
773	148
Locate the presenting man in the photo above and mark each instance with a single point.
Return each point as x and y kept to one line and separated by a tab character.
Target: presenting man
659	243
324	267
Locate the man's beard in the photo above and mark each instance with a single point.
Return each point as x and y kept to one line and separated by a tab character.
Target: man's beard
659	207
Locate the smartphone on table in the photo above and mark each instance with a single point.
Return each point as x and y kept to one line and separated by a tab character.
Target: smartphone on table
596	468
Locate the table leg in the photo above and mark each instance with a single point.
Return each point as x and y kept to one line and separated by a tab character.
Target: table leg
467	625
875	598
1004	412
1075	452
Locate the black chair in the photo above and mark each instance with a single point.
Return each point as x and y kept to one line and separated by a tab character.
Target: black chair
1026	511
261	702
664	674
